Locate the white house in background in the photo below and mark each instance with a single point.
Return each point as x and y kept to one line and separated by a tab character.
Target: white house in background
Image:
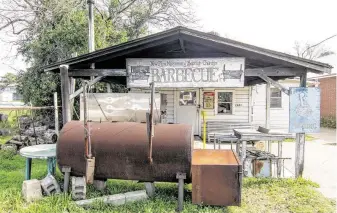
279	104
10	94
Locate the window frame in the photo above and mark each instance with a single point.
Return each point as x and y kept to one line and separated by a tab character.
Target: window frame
280	97
217	102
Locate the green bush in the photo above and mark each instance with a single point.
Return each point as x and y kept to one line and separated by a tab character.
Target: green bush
329	122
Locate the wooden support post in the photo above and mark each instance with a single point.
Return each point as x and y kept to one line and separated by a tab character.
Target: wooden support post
268	105
65	88
72	83
56	111
90	83
300	141
274	83
279	161
268	112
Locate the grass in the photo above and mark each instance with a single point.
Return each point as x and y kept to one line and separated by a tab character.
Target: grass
11	123
258	195
307	138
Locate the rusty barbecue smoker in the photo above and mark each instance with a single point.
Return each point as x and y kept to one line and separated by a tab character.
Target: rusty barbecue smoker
121	150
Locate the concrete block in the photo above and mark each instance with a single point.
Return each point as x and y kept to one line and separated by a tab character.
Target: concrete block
150	188
78	188
100	184
135	196
50	185
117	200
10	148
31	190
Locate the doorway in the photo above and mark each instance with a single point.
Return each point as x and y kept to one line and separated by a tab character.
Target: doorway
187	109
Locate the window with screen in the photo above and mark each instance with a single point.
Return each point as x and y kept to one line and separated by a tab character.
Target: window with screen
275	98
225	102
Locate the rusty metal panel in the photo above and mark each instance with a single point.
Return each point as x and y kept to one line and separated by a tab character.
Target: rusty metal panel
216	178
121	150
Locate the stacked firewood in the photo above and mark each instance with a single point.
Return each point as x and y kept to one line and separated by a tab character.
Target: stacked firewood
39	131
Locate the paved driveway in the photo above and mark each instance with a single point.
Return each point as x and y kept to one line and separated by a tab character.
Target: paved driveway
319	161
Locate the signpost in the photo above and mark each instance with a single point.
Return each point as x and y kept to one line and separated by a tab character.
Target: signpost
304	115
186	72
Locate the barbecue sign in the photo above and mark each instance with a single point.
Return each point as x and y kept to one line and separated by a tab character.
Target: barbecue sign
184	72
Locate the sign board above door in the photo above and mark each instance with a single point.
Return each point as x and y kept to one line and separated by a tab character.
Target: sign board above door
185	72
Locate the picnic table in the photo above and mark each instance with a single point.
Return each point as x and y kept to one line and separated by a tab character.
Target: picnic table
42	151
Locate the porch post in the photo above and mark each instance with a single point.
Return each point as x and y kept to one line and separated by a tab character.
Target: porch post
65	89
268	112
268	105
72	83
300	140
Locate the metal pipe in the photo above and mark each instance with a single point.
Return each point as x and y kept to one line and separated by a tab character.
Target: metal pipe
91	26
91	33
180	177
151	126
86	126
181	195
66	170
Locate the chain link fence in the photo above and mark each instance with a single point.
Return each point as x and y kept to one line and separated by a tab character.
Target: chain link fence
22	126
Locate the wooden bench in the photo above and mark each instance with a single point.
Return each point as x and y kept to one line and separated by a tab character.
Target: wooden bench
224	130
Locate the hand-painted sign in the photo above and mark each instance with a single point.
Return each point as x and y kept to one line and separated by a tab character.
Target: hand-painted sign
304	115
208	100
184	72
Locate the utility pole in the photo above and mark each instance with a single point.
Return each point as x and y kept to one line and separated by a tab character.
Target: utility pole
90	160
91	39
91	26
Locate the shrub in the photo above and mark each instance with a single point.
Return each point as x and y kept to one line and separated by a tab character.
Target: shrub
329	122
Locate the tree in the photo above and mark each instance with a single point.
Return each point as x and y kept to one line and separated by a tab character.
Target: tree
312	51
52	30
6	80
57	41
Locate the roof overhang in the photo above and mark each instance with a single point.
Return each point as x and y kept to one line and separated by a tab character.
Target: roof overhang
182	42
